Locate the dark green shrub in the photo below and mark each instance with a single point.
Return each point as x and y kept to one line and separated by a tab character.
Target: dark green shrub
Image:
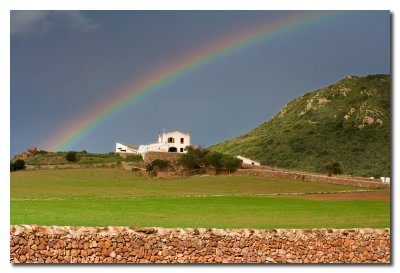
200	158
18	164
134	158
161	165
230	163
195	158
71	156
188	162
149	167
157	165
333	169
213	159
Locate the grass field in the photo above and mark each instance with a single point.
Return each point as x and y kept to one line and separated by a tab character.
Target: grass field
102	197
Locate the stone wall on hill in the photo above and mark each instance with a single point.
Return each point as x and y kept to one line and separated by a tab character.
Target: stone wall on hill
310	177
55	244
73	166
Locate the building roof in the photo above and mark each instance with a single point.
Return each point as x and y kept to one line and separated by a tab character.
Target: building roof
245	158
130	146
176	132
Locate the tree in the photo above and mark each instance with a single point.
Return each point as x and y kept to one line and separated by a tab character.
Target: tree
195	158
213	159
334	168
71	156
160	165
157	165
199	158
18	164
230	163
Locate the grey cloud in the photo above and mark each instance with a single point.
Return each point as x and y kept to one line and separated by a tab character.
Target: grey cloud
38	23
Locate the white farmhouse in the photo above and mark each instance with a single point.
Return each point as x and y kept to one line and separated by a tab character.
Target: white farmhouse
248	161
125	148
173	142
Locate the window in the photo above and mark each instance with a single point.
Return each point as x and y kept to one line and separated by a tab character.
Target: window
171	140
181	150
182	140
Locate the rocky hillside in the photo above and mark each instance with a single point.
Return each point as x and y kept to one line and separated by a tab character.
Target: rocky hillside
347	122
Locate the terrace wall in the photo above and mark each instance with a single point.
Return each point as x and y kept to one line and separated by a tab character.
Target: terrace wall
150	156
73	166
310	177
40	244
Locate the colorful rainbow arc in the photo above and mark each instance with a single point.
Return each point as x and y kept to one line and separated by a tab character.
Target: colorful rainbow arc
233	42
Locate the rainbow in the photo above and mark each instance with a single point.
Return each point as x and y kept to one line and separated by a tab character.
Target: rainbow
99	113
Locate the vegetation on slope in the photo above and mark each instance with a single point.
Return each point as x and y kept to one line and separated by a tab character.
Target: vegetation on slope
49	158
347	122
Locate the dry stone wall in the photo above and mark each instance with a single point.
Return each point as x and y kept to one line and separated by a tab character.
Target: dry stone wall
150	156
309	177
54	244
72	166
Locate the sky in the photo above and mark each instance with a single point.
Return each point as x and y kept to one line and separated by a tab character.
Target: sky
65	62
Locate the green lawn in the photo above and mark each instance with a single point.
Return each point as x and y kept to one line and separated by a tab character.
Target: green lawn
101	197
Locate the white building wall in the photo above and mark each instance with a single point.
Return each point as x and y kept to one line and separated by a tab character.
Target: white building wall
385	179
167	142
156	147
121	148
248	160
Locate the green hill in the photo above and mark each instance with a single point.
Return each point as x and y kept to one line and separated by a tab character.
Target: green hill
348	122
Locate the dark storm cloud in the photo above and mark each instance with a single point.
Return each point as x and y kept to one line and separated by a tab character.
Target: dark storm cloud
38	23
63	63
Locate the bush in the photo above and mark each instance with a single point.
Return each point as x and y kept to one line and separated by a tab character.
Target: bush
149	167
188	162
213	159
71	156
199	158
157	165
230	163
195	158
134	158
18	164
334	168
160	165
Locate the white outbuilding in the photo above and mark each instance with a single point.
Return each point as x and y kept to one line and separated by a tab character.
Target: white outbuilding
172	142
125	148
248	161
385	179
